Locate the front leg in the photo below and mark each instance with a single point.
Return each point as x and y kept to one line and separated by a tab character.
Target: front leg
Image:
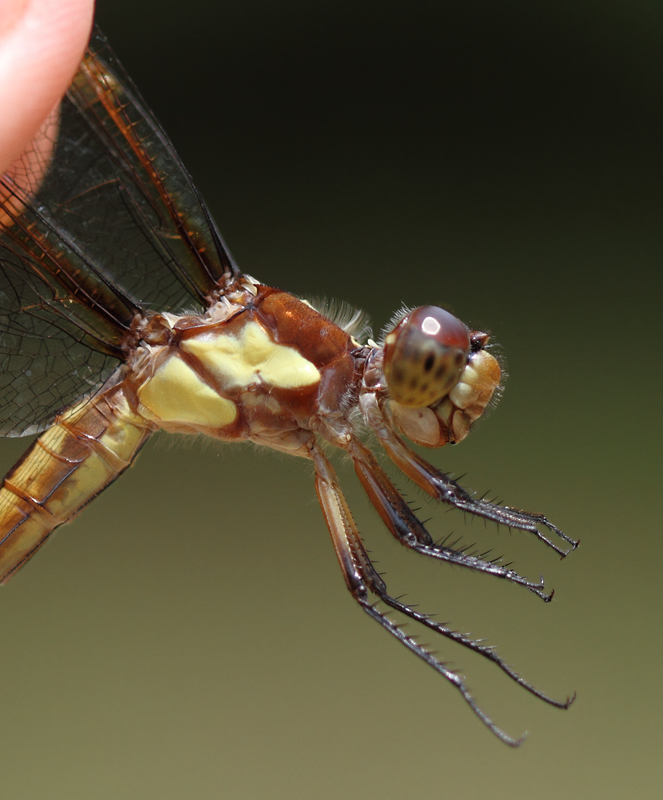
409	530
445	490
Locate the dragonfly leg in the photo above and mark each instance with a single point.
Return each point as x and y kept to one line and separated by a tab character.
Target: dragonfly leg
446	490
363	581
410	531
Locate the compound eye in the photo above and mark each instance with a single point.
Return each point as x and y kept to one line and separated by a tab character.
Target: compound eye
424	356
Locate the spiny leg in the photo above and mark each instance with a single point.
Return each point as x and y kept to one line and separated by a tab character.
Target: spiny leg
408	529
487	651
361	578
383	494
446	490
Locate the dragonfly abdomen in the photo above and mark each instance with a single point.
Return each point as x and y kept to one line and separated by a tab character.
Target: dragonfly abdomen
66	467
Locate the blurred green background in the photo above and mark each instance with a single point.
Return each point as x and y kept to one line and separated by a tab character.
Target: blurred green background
190	634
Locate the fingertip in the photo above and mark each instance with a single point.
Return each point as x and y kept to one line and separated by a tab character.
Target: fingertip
41	44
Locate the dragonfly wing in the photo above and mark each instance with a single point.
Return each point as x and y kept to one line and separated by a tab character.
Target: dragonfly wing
99	224
167	252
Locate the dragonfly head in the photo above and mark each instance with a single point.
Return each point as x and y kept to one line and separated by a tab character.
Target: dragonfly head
438	374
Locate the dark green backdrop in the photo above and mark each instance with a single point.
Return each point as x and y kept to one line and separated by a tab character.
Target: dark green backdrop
190	636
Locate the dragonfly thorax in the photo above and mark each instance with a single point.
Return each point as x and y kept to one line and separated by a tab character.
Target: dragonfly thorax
263	367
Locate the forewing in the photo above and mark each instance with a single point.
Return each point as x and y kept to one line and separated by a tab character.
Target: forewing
129	198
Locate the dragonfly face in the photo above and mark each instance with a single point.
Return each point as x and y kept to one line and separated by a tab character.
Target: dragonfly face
122	313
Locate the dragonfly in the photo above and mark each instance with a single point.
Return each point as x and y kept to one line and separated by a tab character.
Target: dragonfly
122	313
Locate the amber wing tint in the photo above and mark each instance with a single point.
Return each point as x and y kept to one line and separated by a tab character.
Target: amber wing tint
98	223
